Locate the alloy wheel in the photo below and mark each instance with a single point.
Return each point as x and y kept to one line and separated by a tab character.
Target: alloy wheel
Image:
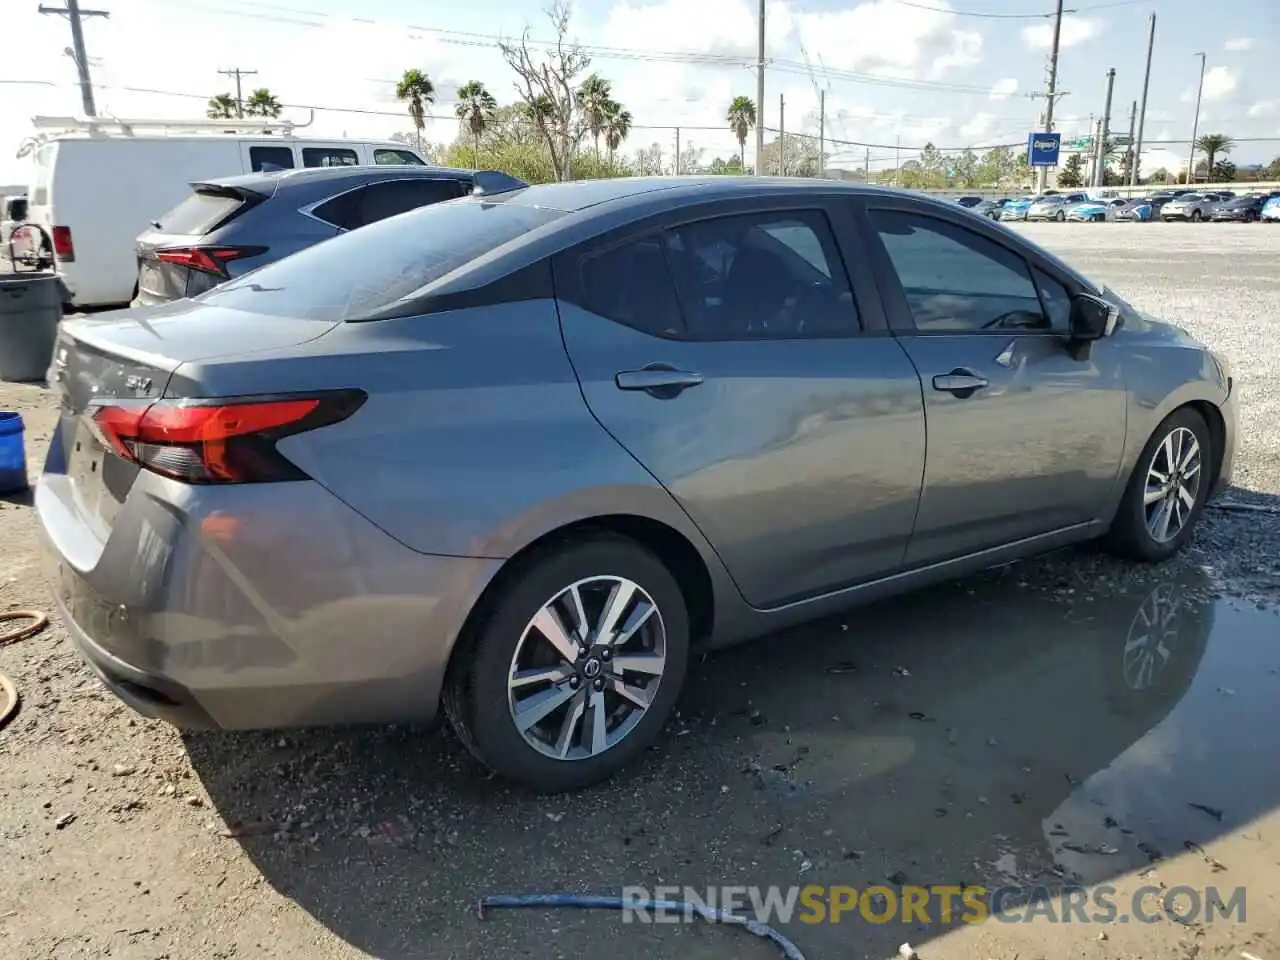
1173	484
587	668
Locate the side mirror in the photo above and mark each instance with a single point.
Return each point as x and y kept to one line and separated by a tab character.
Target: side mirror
1092	318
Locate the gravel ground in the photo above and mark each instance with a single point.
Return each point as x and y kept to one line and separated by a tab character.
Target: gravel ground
946	738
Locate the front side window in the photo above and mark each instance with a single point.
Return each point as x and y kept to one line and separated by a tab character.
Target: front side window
956	280
270	158
761	276
385	155
329	157
631	284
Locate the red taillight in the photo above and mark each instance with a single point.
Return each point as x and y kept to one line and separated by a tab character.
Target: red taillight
218	441
63	248
212	260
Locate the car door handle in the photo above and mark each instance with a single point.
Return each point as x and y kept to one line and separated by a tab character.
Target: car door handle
658	380
959	382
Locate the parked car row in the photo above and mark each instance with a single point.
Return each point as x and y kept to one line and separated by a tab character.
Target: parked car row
1167	205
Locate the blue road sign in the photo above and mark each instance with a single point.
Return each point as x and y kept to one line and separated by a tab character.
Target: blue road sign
1043	149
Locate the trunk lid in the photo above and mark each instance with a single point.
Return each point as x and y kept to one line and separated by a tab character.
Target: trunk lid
131	355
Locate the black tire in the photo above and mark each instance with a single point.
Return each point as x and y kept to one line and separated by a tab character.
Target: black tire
476	697
1061	216
1129	535
1196	216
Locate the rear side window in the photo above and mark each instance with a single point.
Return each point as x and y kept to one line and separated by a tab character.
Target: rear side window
632	285
329	157
199	213
363	272
270	158
377	201
385	155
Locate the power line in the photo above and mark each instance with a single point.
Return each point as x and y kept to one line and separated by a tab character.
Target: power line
1016	16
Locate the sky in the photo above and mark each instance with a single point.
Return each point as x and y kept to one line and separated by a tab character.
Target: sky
896	73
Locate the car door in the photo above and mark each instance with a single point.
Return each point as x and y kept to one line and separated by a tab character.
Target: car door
735	359
1024	438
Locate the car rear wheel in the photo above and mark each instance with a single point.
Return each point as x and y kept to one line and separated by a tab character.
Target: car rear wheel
576	667
1167	490
1195	216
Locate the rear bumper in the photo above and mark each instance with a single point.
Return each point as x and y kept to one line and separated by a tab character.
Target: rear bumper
258	607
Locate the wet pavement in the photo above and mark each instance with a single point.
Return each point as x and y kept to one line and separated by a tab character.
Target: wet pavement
985	732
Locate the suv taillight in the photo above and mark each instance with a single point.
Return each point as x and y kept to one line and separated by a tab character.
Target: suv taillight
211	260
63	248
218	441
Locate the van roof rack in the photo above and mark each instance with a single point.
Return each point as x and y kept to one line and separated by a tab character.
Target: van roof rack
130	126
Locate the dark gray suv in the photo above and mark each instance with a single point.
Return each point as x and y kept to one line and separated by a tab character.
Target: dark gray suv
232	225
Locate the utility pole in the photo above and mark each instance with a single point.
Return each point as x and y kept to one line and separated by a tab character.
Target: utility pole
760	95
677	151
73	13
1142	111
866	164
238	73
1133	119
1052	93
822	133
782	135
897	160
1195	128
1104	132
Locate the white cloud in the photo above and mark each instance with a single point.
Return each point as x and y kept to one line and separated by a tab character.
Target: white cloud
1264	108
1218	82
978	126
1004	88
1239	44
1075	30
881	35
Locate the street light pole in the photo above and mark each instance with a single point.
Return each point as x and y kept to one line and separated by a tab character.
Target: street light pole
1142	111
1195	126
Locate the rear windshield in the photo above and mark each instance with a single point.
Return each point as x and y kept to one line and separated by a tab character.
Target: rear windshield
198	214
360	273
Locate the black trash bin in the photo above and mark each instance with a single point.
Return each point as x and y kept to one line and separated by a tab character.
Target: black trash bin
30	308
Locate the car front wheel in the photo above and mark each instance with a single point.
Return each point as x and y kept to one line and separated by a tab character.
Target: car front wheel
1196	216
1167	490
576	666
1060	217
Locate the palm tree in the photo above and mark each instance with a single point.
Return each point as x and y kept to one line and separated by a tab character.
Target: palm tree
262	103
742	119
221	107
1213	144
416	88
594	97
476	108
617	126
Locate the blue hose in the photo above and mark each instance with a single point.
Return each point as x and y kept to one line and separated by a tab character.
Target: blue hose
592	902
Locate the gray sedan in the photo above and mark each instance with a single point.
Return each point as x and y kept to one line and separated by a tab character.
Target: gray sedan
520	455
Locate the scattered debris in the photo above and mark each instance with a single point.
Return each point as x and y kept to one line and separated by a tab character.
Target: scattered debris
123	770
588	902
907	952
1090	848
1102	935
844	666
64	821
901	672
252	828
897	877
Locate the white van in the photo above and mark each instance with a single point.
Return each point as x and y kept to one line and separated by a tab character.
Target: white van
99	182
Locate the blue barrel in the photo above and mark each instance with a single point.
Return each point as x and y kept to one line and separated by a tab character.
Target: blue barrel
13	453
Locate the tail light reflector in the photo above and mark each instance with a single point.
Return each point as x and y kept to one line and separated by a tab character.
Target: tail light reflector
218	441
211	260
63	248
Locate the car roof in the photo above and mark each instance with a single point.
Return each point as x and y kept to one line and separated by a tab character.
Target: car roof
275	180
577	195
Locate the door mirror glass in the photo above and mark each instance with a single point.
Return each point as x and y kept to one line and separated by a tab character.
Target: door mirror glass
1092	318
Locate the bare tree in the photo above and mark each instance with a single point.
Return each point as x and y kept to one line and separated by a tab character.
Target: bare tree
547	84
